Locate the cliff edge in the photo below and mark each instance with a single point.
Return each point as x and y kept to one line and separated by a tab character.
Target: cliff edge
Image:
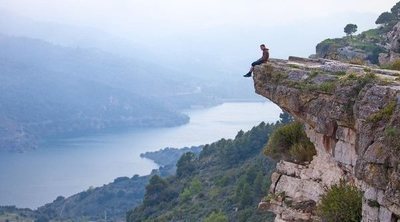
352	115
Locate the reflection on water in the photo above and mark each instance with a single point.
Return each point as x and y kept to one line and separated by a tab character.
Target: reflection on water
67	166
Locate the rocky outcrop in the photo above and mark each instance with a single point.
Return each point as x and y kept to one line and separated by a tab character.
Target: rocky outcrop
392	46
352	115
339	49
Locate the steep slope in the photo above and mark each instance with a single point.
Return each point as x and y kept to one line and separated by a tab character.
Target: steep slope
111	201
228	178
352	115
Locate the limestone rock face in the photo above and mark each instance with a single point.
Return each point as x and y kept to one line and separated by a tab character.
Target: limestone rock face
394	39
352	115
392	46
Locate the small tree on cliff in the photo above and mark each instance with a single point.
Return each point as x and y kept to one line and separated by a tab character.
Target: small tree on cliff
186	164
341	202
285	117
396	10
385	18
350	29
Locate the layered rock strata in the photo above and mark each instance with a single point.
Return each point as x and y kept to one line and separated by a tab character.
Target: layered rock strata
352	115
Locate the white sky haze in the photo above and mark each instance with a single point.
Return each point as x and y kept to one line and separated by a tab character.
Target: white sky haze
224	31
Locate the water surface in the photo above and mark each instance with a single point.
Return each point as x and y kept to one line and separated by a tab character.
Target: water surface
67	166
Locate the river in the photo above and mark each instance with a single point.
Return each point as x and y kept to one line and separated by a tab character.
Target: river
70	165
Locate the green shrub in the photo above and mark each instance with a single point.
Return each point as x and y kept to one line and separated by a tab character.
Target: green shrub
194	189
358	81
328	87
278	76
216	217
357	61
186	165
392	135
340	73
383	114
302	152
313	74
350	76
367	70
290	142
185	195
394	65
294	66
370	76
341	202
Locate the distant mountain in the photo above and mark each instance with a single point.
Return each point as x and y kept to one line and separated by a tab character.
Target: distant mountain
68	35
50	90
214	69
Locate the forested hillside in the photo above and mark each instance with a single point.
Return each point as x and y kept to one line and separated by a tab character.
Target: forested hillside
227	180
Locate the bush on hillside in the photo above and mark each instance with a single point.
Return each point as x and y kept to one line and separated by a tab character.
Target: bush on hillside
341	202
393	66
302	152
385	18
158	191
186	165
216	217
291	143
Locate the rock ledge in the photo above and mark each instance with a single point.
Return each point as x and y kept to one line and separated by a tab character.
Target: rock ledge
352	115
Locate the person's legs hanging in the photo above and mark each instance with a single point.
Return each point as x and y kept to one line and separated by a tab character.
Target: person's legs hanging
258	62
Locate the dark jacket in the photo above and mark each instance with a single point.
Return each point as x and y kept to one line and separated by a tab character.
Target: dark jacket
265	55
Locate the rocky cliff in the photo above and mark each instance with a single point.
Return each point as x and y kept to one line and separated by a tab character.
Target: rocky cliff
352	115
392	46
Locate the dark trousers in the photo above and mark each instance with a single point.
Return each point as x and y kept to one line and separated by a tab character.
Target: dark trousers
258	62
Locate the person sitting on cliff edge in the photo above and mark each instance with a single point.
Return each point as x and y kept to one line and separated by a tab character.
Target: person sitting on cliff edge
263	59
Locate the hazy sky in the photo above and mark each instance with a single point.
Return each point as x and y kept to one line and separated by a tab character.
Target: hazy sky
188	14
225	30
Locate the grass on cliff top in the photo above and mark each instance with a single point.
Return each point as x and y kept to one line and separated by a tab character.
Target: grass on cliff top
368	41
290	143
306	85
368	77
357	80
341	202
392	66
372	34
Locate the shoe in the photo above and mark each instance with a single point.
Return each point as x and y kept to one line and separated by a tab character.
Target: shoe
247	75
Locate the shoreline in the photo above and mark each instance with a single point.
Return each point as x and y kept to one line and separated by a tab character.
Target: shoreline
88	147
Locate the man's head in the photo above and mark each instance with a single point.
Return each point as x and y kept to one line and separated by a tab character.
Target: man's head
262	47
